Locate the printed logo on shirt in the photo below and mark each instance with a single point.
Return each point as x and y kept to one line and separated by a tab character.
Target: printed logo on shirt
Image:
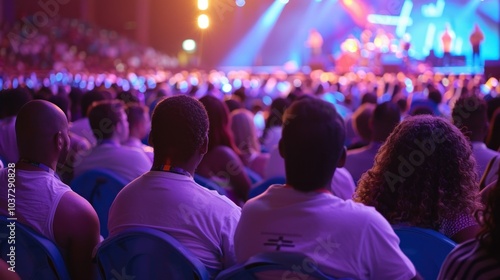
278	241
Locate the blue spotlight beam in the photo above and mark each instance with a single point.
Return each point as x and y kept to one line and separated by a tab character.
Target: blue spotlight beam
248	48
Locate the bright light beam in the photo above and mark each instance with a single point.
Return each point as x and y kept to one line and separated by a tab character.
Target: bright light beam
248	48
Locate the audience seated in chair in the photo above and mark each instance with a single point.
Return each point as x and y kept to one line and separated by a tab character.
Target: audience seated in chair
79	146
470	115
302	216
383	120
110	126
222	163
167	198
139	126
46	204
360	122
81	127
245	137
272	131
424	176
11	102
478	258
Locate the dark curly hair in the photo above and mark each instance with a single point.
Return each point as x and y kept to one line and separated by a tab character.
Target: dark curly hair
179	126
424	173
489	236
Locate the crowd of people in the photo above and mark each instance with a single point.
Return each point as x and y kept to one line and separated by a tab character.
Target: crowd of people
360	153
357	144
75	45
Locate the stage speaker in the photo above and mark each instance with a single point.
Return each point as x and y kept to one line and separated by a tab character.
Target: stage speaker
492	69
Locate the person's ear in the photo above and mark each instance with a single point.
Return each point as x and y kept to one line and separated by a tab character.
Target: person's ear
281	148
343	157
59	141
204	147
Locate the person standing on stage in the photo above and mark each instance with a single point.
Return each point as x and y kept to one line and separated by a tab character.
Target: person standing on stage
447	38
476	37
315	42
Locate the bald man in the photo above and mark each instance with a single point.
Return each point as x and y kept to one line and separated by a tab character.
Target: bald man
43	202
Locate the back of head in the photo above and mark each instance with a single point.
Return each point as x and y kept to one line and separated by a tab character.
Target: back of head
104	117
369	98
179	127
219	133
244	131
312	143
37	125
276	112
385	118
61	101
13	100
361	120
489	237
233	104
89	98
493	138
136	114
424	172
470	115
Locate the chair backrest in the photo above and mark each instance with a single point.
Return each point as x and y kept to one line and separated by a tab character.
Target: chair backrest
34	256
209	184
99	187
426	249
146	253
275	265
262	186
253	176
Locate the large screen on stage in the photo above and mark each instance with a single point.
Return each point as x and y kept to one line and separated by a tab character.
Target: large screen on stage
288	28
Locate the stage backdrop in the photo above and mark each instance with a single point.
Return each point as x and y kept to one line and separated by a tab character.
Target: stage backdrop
268	32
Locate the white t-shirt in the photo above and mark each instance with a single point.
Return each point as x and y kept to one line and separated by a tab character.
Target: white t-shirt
346	239
8	144
37	195
342	182
200	219
128	163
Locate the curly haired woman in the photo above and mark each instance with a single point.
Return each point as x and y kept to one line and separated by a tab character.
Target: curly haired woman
424	176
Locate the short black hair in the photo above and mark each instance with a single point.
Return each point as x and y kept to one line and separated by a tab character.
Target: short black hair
470	115
312	143
385	118
179	127
12	100
104	116
89	98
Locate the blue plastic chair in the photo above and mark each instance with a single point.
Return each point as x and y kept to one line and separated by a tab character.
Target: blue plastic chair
279	265
36	257
262	187
209	184
426	248
99	187
253	176
146	253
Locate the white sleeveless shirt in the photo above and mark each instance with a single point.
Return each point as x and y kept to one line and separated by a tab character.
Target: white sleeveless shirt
37	194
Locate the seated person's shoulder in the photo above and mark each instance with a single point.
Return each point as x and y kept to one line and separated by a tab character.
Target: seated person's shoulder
75	214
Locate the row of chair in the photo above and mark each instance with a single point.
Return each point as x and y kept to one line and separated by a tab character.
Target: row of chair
101	186
146	253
